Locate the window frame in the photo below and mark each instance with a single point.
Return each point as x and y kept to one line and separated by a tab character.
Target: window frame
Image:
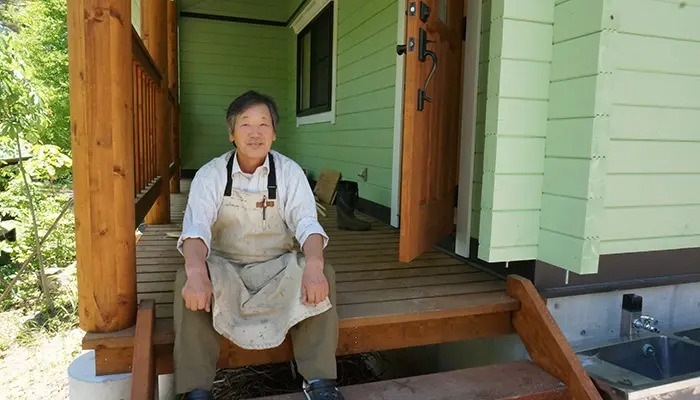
301	24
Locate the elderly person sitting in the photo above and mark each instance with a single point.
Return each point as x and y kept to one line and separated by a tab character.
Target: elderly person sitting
242	279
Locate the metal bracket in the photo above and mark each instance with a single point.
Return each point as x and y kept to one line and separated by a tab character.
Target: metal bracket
412	9
424	12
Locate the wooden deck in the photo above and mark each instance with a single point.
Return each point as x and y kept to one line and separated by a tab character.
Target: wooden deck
382	304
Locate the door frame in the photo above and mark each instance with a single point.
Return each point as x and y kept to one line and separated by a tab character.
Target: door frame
398	118
468	131
468	135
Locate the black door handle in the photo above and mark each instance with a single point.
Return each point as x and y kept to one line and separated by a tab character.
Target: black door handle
401	49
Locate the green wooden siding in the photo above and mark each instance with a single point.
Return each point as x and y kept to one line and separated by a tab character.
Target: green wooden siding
516	125
219	61
362	136
575	164
136	15
652	188
480	132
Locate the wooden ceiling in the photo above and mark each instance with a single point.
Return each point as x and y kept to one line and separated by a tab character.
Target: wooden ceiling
272	10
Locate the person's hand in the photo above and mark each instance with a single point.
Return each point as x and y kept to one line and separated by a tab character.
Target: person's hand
197	291
314	286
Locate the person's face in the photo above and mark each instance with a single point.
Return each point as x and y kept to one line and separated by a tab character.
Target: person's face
253	132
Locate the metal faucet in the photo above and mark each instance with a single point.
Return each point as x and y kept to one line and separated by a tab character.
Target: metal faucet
632	320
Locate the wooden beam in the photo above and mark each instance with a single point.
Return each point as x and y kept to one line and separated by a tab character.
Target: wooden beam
112	359
143	384
173	74
100	78
154	32
144	200
545	342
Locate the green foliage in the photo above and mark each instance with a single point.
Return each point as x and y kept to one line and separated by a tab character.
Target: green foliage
42	42
49	170
34	110
21	111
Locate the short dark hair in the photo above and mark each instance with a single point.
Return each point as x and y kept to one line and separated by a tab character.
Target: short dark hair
249	99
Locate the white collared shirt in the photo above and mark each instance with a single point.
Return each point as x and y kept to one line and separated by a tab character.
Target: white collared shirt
294	195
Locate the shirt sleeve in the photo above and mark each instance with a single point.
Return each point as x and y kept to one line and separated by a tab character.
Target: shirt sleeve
202	207
300	208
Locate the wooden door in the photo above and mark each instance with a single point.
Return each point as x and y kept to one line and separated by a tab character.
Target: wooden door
431	123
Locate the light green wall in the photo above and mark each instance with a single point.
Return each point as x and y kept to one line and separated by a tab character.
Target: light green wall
575	157
520	53
362	136
652	199
219	61
136	15
481	116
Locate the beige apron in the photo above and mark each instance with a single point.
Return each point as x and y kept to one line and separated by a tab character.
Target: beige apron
255	274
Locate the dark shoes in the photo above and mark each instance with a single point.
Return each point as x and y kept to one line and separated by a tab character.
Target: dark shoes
323	389
345	203
198	394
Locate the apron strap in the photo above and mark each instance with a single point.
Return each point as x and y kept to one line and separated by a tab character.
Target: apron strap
271	177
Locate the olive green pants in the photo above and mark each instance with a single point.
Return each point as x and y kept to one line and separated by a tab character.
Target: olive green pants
197	344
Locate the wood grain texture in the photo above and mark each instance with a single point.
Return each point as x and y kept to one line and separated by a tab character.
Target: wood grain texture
173	73
526	381
115	355
143	384
154	31
100	68
545	342
429	153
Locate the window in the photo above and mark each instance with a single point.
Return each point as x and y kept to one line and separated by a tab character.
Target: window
315	77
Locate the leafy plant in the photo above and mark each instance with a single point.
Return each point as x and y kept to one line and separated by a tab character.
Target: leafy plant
40	32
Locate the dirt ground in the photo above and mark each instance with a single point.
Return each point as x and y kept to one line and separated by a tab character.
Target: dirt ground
37	369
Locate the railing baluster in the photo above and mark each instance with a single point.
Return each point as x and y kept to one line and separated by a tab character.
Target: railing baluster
146	89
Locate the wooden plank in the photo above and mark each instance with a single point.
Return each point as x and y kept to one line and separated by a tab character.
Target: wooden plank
155	277
143	382
393	265
400	273
526	381
544	340
478	284
413	282
154	31
351	341
400	311
100	80
375	296
326	185
145	200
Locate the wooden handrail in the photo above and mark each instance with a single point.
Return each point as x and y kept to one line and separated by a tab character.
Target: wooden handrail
144	58
143	383
545	342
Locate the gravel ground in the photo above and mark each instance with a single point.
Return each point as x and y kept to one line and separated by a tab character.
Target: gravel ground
37	370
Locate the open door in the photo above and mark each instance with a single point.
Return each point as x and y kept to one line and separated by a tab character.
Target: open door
431	123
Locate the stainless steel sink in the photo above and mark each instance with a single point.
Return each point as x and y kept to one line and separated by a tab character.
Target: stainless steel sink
656	357
692	334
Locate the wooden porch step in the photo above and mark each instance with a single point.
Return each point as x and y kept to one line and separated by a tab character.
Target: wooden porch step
363	327
525	380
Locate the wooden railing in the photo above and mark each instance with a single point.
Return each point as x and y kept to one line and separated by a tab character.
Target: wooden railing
146	87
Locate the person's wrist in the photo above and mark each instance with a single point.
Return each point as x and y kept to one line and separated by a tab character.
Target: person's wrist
314	263
196	270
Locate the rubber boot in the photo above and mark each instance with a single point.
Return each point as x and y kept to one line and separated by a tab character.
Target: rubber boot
345	204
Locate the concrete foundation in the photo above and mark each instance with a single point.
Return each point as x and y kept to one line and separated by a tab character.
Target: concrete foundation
84	384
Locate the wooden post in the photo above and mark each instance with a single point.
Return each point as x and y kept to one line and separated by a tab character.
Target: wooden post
100	74
154	17
173	87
